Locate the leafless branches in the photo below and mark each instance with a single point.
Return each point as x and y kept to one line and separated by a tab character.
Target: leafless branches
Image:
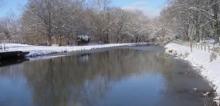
60	21
193	19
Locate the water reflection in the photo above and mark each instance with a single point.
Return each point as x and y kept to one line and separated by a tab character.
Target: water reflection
14	88
125	77
11	62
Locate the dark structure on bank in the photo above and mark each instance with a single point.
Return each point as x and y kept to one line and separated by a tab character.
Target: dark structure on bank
83	39
12	57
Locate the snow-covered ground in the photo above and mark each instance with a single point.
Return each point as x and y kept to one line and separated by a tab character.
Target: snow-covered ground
206	60
36	51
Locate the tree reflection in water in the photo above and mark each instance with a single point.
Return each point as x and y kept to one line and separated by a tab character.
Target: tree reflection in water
86	80
71	81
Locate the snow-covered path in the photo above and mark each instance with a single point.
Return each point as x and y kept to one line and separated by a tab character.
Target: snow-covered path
207	61
35	51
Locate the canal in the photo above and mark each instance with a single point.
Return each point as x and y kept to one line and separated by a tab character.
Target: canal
135	76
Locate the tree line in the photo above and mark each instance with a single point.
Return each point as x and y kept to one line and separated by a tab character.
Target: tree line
192	20
61	21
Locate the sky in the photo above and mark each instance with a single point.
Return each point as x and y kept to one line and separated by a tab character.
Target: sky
151	8
11	7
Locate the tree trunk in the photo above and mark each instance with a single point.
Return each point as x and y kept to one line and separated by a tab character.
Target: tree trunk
49	42
60	40
215	8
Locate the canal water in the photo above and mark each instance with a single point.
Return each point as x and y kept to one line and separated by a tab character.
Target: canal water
136	76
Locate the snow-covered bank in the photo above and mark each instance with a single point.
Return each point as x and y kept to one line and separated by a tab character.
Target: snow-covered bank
36	51
206	60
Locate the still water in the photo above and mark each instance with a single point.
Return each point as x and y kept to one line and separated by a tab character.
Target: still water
138	76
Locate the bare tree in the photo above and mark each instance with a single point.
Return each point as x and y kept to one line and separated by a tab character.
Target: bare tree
60	21
53	18
193	19
9	28
40	13
216	9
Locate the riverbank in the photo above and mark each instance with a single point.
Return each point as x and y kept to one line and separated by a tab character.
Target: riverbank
39	51
206	60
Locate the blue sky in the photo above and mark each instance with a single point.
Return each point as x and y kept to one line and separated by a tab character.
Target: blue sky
11	7
151	8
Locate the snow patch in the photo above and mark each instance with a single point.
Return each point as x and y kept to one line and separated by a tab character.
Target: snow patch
206	60
36	51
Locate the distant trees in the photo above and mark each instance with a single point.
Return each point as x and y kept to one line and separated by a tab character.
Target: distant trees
51	18
193	19
9	28
4	32
61	21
